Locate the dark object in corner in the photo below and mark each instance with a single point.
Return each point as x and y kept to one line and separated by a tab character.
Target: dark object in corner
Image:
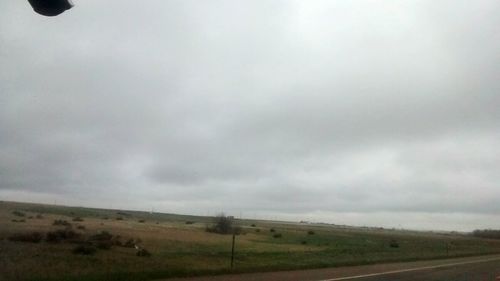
50	8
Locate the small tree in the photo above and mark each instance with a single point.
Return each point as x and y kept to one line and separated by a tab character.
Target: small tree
223	224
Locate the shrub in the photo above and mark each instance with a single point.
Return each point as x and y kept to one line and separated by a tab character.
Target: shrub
84	250
189	222
223	225
52	237
486	233
61	235
104	240
39	216
257	230
81	227
101	236
68	234
119	218
104	245
77	219
117	240
310	232
23	220
253	225
143	253
142	221
18	213
130	243
123	214
33	237
303	242
394	244
272	230
61	222
277	235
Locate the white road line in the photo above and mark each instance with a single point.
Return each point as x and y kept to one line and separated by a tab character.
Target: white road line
410	269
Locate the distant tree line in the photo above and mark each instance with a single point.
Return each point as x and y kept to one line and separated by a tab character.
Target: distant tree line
486	233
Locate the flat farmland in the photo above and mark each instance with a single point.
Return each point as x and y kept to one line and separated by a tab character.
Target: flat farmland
73	243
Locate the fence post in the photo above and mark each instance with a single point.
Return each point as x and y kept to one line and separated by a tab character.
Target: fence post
232	252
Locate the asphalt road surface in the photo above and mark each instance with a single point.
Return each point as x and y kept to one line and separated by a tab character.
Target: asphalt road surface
485	268
484	271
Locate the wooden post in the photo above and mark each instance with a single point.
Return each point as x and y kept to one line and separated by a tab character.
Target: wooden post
232	252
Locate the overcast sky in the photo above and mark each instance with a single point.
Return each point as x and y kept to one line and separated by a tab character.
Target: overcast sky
380	113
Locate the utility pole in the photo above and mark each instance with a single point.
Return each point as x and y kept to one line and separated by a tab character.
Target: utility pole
232	251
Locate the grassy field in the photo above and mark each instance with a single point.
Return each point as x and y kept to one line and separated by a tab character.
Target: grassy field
181	249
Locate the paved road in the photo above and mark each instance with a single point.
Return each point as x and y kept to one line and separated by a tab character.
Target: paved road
487	271
485	268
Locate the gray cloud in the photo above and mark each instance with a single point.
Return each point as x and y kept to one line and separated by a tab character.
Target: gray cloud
321	111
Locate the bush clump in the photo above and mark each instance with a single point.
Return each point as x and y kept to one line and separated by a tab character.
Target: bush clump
32	237
18	213
23	220
486	233
77	219
142	221
81	227
224	225
101	236
84	250
62	235
277	235
61	223
143	253
393	244
104	245
123	214
117	240
105	240
190	222
131	243
52	237
310	232
272	230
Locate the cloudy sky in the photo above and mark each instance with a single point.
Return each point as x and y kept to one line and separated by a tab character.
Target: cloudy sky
380	113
